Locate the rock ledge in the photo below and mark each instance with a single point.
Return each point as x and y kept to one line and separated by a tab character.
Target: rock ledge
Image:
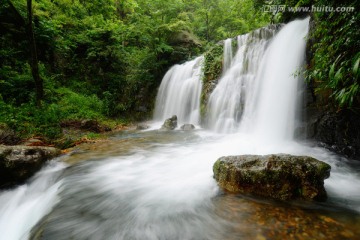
18	163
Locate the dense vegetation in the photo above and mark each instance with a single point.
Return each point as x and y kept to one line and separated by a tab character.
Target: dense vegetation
104	59
335	55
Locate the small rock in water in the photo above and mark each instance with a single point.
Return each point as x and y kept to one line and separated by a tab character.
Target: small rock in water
187	127
278	176
170	123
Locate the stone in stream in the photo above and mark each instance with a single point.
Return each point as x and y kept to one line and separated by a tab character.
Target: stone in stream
18	163
187	127
170	123
278	176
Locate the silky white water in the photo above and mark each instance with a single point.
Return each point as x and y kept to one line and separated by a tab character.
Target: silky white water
23	207
163	187
179	93
228	54
226	102
270	107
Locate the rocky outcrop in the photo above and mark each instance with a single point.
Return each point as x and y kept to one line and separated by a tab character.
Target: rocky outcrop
187	127
333	128
279	176
18	163
170	123
337	131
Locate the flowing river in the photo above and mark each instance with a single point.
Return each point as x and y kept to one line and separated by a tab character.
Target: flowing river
159	184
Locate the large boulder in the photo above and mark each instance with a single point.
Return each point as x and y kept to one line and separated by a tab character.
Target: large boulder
18	163
170	123
279	176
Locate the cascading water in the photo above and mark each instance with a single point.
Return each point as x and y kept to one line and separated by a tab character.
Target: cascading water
228	54
162	186
227	100
179	93
270	107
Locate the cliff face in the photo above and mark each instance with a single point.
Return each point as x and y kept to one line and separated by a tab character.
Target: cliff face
334	128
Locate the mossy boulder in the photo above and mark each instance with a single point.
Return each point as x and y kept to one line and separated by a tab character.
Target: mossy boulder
18	163
170	123
278	176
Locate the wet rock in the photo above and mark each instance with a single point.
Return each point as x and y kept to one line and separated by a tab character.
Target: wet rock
142	126
170	123
18	163
142	109
187	127
338	131
279	176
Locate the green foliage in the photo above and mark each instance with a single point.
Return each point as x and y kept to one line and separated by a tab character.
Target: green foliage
213	63
28	120
217	20
335	61
105	58
212	68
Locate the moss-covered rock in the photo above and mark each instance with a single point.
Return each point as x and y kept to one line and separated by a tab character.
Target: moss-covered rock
170	123
213	61
18	163
279	176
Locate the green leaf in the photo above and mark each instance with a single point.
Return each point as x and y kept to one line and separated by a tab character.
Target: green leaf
356	67
332	71
338	75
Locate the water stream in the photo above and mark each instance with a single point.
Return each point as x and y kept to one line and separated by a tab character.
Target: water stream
159	185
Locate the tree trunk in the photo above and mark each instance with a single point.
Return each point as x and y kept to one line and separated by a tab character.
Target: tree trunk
39	88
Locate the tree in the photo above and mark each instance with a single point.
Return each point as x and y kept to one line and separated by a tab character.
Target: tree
33	59
33	55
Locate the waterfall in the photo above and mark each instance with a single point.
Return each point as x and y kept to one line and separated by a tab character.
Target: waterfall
270	107
21	208
228	54
228	98
179	93
151	185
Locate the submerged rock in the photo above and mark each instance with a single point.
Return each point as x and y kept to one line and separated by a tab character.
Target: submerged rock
18	163
170	123
279	176
187	127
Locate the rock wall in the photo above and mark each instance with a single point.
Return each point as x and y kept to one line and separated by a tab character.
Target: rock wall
333	128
